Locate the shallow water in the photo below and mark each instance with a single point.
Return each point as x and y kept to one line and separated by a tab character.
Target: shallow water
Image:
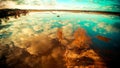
36	34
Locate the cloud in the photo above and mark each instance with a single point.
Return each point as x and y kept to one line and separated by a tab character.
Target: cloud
107	28
27	4
101	24
111	28
87	24
36	53
67	30
7	4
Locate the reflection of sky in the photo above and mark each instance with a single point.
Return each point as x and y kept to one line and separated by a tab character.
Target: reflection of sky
104	5
33	24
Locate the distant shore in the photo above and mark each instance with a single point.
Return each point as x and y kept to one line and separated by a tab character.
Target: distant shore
70	10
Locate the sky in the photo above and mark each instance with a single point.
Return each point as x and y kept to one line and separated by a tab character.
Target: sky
104	5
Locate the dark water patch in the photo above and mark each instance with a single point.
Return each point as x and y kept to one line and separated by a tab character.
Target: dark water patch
116	25
39	31
108	53
4	26
56	24
5	35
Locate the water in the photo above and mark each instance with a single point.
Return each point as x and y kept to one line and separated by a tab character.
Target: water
44	25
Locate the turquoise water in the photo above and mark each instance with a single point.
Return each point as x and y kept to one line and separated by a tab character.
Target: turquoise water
105	25
34	40
47	23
